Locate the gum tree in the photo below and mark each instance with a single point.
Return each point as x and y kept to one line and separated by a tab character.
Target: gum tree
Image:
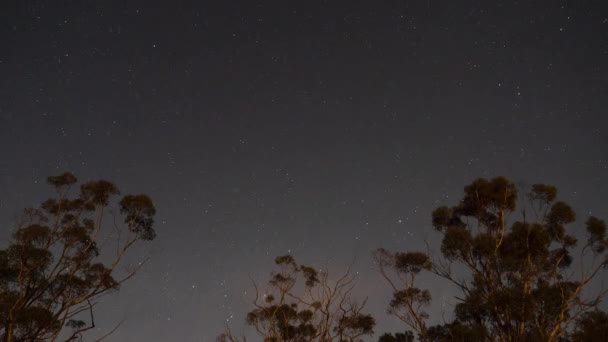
304	304
60	260
516	275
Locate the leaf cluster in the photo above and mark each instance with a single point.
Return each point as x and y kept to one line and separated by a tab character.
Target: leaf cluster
51	273
303	304
520	286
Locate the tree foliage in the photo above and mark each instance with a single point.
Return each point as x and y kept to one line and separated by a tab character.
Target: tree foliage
591	326
517	283
407	336
304	304
53	272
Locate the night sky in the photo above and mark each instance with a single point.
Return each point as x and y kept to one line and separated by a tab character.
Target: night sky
323	129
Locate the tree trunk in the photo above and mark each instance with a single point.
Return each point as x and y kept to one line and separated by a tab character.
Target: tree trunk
9	332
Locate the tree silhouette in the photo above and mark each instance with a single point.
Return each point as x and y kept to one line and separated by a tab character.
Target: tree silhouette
515	276
304	304
591	326
52	272
407	336
400	270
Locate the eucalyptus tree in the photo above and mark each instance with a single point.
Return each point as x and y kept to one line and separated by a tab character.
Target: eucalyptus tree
301	303
522	276
63	258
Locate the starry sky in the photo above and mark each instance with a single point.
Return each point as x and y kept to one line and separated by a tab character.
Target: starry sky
323	129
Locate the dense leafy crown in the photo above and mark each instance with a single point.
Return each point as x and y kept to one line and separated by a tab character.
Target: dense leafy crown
514	275
52	272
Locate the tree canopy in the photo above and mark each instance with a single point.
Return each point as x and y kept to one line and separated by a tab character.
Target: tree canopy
521	274
302	303
59	262
515	275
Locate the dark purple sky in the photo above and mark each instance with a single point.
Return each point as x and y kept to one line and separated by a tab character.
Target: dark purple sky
323	129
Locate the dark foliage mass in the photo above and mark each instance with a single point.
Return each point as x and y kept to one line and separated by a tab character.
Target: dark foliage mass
407	336
515	275
303	304
54	270
591	326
